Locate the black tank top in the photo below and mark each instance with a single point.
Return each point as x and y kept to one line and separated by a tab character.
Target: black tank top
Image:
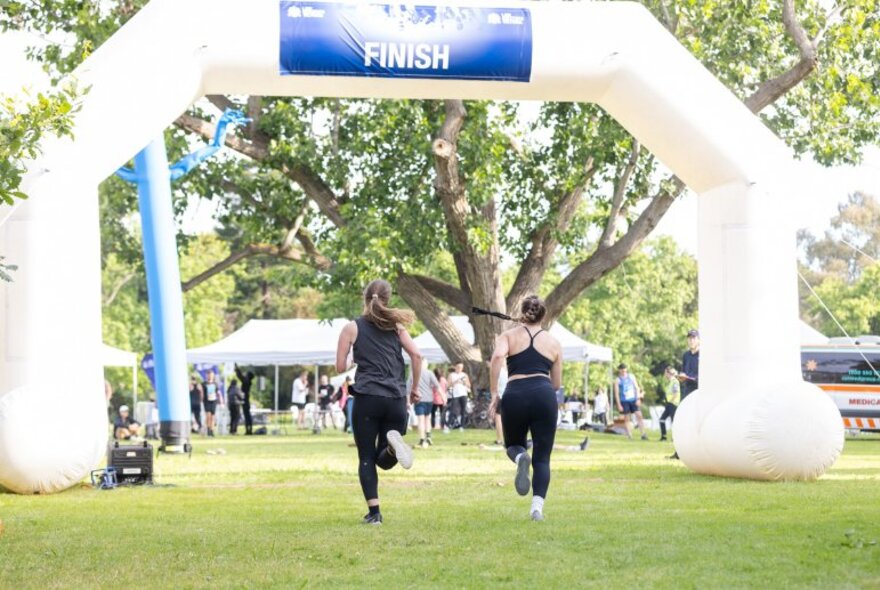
378	355
529	361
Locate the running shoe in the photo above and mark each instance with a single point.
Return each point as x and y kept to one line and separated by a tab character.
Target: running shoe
521	482
372	519
644	437
537	516
402	451
585	444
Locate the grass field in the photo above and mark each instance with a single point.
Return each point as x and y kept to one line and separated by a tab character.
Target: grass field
283	512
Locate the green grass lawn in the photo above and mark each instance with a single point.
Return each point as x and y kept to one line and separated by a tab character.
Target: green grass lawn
284	512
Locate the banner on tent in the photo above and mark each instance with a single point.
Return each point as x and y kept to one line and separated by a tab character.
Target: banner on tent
149	367
405	41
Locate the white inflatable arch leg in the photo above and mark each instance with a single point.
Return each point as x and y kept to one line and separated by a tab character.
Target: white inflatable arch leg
753	416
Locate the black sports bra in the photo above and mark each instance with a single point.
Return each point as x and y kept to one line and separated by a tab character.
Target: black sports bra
529	361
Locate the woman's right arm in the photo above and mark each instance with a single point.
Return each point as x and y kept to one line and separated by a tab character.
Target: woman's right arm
346	340
502	347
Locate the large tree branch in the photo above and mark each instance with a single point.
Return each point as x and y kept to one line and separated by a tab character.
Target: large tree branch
770	90
310	182
290	254
221	102
436	320
607	259
544	241
619	195
448	294
117	288
254	112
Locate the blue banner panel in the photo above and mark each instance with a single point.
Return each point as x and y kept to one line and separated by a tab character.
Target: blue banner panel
405	41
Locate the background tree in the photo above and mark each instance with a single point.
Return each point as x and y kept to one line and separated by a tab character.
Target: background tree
642	310
358	188
843	267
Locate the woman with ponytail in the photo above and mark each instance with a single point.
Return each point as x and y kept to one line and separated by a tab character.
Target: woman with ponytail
379	418
534	367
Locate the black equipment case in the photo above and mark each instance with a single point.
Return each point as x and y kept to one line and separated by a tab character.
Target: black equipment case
133	463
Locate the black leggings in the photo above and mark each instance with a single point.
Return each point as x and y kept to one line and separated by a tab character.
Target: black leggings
530	404
668	412
372	417
438	408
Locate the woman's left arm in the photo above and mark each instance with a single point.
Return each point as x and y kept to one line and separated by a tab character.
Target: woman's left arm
415	358
556	369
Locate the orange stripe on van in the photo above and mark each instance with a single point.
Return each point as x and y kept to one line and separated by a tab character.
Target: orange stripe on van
868	389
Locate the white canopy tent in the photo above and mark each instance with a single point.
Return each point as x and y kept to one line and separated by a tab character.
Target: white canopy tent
116	357
810	335
275	342
573	347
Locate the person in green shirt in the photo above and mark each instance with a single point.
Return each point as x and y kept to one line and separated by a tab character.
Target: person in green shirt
672	393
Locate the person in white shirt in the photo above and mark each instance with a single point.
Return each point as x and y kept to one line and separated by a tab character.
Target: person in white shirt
600	407
460	384
298	397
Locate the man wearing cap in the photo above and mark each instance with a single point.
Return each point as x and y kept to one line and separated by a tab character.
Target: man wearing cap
690	369
690	365
125	427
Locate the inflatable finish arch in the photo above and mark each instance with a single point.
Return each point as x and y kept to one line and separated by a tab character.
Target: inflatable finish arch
753	416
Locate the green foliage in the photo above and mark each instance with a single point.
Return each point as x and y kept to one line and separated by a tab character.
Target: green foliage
5	269
642	310
126	317
856	305
844	271
23	124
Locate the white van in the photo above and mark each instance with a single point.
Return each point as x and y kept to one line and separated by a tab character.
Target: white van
848	369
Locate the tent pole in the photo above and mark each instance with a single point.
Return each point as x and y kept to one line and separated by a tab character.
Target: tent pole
276	391
134	383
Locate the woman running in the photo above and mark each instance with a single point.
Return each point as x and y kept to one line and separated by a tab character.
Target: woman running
380	416
534	367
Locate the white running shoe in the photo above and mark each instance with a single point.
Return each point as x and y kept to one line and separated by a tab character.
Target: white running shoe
521	482
537	516
402	451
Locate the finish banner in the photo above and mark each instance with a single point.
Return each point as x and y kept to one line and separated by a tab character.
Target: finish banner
405	41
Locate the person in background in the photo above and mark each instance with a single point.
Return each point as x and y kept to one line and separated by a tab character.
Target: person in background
124	427
600	407
152	425
428	383
299	391
346	401
439	402
247	381
196	397
690	369
212	400
460	384
574	405
690	365
671	398
325	398
627	395
236	399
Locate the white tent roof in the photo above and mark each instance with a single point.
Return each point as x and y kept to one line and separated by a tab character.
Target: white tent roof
115	357
573	348
810	335
275	342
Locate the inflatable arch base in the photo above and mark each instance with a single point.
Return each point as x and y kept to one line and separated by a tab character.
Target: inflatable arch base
782	432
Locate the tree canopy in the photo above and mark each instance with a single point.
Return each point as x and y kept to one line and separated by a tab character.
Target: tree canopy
843	269
355	189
